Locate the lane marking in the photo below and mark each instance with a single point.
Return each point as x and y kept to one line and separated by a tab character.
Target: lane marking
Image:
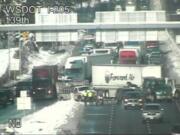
148	127
111	119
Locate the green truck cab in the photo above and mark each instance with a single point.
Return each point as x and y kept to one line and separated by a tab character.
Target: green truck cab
157	89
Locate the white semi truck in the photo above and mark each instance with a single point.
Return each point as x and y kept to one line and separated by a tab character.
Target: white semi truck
79	68
113	77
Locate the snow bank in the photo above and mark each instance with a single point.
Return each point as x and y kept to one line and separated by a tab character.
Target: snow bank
4	59
49	119
44	58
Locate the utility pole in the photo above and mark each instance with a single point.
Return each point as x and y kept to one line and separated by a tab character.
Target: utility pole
20	54
9	62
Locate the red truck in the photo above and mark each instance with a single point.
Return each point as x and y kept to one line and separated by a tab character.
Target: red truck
128	56
44	80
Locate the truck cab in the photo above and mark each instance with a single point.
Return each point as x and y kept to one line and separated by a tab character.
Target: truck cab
44	80
75	68
128	56
157	88
155	58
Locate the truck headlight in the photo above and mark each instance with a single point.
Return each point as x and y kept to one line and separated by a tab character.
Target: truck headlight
49	91
126	100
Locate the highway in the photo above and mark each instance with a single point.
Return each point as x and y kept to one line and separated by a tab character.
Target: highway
113	119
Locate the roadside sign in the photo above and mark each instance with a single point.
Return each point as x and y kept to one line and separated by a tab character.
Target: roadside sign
23	102
23	93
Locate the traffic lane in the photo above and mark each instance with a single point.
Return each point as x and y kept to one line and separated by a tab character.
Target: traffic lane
11	112
171	116
128	121
114	119
95	119
111	119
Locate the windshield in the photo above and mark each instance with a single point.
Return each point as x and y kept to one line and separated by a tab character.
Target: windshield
152	107
132	95
41	83
83	88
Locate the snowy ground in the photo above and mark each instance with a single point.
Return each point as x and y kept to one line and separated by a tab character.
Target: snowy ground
49	119
4	59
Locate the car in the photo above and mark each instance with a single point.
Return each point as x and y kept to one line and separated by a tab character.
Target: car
87	49
121	92
152	111
79	91
133	99
175	129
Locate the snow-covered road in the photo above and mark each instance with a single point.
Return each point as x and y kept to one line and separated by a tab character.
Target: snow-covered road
49	119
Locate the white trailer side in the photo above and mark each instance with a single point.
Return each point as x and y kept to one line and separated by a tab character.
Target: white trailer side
112	77
116	75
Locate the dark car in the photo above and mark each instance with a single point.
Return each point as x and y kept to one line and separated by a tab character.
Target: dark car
133	99
121	92
7	96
